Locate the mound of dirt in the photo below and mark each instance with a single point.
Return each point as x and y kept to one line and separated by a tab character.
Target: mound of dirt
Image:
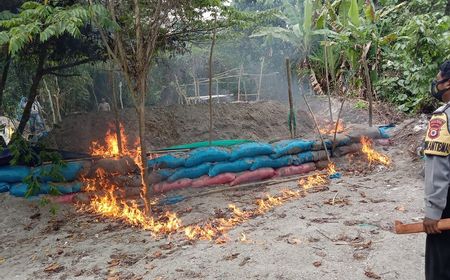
173	125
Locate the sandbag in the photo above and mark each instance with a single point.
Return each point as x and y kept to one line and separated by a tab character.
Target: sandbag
173	160
114	166
322	164
4	187
295	170
251	150
254	176
191	172
266	161
18	190
353	148
177	185
318	155
305	157
13	174
234	167
357	131
291	147
69	172
206	181
160	175
207	154
63	188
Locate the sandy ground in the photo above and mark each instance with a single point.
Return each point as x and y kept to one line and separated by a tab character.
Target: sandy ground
304	238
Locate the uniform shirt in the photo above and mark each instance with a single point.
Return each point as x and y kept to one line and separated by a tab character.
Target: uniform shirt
437	178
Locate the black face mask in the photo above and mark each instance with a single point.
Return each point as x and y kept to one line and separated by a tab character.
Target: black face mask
438	94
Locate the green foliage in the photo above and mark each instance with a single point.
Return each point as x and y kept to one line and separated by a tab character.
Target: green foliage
41	22
412	58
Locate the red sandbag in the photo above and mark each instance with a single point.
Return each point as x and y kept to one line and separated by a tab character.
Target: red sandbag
206	181
177	185
384	142
295	170
254	176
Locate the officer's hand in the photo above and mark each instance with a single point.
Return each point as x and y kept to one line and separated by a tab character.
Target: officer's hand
431	226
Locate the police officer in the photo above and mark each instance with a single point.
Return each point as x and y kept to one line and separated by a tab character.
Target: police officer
437	180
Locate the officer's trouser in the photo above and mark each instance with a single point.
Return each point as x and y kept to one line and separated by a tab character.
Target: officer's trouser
437	252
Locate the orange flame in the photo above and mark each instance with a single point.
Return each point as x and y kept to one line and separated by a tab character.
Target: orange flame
372	155
330	128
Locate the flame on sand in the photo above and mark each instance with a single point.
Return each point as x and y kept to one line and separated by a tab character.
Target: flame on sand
329	128
372	155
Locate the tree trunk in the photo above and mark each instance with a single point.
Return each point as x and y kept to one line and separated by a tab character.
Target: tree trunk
3	80
210	73
112	81
447	8
33	92
146	191
50	100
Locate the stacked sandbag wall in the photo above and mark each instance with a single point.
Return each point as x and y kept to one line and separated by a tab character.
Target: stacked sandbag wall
249	162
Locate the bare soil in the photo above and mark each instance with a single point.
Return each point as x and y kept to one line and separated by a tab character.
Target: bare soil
306	238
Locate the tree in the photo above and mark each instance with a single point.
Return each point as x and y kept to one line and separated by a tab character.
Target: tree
138	31
55	38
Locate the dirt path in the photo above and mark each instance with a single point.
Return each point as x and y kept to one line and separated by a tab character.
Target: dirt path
301	239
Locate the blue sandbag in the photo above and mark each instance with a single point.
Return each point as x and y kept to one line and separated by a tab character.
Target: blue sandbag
13	174
190	172
384	130
69	172
160	175
251	150
265	161
304	158
291	147
207	154
234	167
62	188
4	187
167	161
19	190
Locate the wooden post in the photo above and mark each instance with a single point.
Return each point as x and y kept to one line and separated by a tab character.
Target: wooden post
239	83
213	42
328	81
120	95
291	104
50	99
368	81
57	97
260	79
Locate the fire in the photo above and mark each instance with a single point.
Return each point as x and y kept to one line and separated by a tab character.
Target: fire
372	155
110	206
331	168
111	147
330	128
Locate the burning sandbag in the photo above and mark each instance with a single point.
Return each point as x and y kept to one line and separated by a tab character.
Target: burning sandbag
344	150
127	181
296	170
207	181
357	131
177	185
234	167
251	150
160	175
322	164
114	166
254	176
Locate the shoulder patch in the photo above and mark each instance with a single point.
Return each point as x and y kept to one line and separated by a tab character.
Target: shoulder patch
437	140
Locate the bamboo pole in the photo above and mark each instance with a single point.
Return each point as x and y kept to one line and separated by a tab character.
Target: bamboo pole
317	128
260	79
327	78
368	81
337	125
120	95
291	102
213	42
239	83
50	99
